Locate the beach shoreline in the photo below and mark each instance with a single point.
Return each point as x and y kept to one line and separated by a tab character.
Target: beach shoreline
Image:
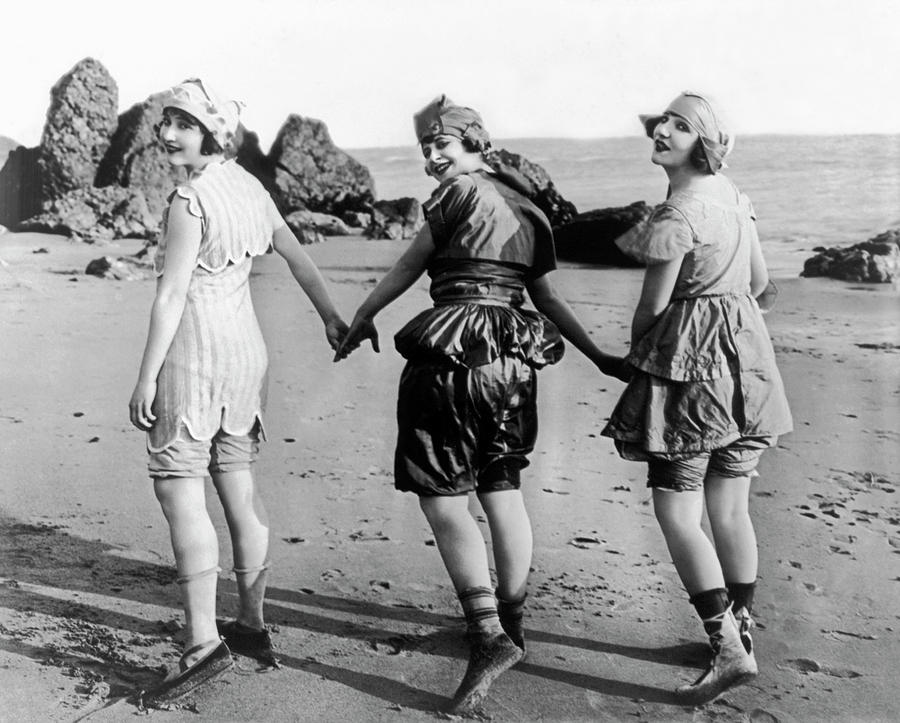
368	626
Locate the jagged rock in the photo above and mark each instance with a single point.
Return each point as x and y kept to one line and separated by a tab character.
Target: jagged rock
876	260
304	227
312	173
397	219
82	116
356	219
543	193
124	268
20	186
96	215
590	237
254	161
135	158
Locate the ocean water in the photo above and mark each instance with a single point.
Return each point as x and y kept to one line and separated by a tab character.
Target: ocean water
808	191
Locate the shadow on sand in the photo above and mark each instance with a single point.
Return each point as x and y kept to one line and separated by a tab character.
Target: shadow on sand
45	570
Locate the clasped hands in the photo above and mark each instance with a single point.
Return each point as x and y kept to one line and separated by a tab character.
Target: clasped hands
348	340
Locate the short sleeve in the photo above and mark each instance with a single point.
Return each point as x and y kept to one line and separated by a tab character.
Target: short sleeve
666	235
190	195
449	205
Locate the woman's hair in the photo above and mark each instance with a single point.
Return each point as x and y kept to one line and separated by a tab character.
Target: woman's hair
470	143
209	146
698	158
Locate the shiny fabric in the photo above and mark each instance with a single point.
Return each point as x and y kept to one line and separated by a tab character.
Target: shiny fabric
737	460
464	429
699	111
467	405
706	373
488	241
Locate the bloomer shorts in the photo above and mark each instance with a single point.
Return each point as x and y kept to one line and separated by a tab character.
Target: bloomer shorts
738	459
188	457
464	429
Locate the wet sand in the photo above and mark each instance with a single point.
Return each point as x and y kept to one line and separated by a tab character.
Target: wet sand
368	625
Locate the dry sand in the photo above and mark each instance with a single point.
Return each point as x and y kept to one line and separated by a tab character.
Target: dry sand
368	626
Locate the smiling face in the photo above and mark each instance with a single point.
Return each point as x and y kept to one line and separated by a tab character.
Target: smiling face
446	157
673	140
182	139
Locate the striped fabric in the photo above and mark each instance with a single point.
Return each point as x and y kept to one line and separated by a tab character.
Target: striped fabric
214	375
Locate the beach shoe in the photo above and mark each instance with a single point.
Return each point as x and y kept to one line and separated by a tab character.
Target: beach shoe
210	666
244	640
731	665
489	656
745	624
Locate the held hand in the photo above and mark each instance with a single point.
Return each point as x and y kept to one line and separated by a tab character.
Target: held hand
140	408
335	332
615	366
360	330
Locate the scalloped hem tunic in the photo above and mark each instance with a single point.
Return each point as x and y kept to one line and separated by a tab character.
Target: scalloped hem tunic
214	374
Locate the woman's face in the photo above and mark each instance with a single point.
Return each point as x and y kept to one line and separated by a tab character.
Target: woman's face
446	157
673	140
182	138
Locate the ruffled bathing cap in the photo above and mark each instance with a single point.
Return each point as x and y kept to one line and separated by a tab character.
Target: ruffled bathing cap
219	116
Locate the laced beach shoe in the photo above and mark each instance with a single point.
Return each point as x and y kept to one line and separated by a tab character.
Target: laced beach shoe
244	640
188	678
489	656
731	665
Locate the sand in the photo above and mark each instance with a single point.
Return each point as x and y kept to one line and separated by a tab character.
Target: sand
368	628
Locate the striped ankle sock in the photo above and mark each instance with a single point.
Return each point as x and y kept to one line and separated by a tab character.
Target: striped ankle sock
480	608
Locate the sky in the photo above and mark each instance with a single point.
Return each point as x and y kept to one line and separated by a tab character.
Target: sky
533	68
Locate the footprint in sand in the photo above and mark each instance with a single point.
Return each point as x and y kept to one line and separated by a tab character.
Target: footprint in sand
808	666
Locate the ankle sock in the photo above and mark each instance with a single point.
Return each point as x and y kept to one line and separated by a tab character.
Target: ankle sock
480	609
741	594
711	606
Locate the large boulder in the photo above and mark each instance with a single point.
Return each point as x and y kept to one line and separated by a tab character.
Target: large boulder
96	215
83	114
312	173
135	158
20	186
876	260
397	219
543	193
590	237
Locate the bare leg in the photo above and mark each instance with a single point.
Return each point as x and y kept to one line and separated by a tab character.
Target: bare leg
511	540
459	540
248	526
679	515
727	505
196	549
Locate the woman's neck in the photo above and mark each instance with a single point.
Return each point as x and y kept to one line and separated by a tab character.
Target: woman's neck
685	177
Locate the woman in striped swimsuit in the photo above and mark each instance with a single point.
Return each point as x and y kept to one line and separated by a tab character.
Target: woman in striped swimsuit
201	388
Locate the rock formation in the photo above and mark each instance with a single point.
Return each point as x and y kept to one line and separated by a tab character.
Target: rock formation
81	118
876	260
135	159
312	173
397	219
20	186
590	237
543	193
96	215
